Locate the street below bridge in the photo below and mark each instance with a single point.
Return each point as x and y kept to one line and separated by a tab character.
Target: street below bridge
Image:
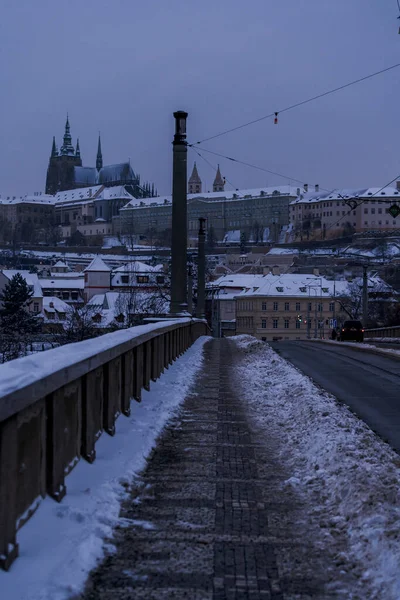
369	384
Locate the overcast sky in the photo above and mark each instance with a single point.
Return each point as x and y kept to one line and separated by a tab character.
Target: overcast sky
123	67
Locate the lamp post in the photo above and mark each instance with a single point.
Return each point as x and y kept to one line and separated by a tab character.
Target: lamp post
179	217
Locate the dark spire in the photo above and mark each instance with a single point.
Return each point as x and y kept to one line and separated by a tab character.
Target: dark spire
77	151
99	158
219	183
67	147
54	148
194	178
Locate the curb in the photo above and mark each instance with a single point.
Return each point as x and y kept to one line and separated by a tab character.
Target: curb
377	351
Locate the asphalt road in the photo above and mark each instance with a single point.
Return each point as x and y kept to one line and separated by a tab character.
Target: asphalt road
367	383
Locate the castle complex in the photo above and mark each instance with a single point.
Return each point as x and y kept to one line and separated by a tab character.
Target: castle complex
65	171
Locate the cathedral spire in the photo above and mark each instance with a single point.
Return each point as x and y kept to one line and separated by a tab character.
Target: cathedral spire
99	158
78	150
67	147
54	148
219	183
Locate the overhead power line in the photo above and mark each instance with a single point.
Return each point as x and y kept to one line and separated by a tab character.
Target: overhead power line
297	104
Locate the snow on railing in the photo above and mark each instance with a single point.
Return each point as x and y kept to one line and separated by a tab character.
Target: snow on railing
55	405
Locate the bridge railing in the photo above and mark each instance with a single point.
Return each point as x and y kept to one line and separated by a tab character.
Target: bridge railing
383	332
55	405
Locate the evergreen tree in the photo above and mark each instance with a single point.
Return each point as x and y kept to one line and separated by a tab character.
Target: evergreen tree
15	318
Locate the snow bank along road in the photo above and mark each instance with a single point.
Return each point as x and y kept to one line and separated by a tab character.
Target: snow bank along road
367	383
346	475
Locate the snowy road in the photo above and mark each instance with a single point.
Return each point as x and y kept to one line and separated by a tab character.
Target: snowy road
367	383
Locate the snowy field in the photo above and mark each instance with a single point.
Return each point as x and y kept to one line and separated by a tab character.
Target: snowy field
62	542
348	477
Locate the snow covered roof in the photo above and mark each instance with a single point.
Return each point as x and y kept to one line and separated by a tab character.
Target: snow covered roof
78	194
346	194
137	266
108	193
32	199
97	265
60	263
273	192
296	285
31	279
236	281
54	304
62	283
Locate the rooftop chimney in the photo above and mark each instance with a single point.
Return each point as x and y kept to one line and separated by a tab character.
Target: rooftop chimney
306	187
298	191
398	185
317	187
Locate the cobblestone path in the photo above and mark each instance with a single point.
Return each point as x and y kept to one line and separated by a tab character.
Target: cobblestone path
208	520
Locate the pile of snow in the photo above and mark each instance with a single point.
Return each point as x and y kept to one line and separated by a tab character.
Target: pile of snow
62	542
349	477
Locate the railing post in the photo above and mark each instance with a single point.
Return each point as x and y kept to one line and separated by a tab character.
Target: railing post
92	412
147	366
127	383
154	359
64	414
112	394
8	492
138	373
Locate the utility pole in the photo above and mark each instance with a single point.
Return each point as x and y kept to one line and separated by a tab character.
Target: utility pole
179	217
365	296
201	270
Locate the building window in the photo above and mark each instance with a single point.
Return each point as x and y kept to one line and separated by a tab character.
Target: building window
124	278
309	306
263	323
275	306
320	307
36	307
298	324
298	306
264	306
275	324
160	279
365	211
331	306
65	295
286	323
287	306
142	279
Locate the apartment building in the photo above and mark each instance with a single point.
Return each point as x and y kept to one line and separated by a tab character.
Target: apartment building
320	214
290	307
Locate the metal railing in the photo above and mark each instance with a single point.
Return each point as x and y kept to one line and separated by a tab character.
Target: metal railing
54	406
383	332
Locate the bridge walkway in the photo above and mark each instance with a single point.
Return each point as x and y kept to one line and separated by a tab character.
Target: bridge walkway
207	519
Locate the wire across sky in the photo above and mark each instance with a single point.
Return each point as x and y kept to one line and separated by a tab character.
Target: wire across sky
296	105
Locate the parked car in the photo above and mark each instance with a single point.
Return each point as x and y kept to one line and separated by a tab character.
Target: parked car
352	331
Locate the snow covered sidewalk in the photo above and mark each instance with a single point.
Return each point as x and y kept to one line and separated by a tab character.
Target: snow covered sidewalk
346	475
62	542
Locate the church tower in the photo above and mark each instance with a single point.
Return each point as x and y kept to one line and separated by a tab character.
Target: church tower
219	182
60	172
99	157
194	184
